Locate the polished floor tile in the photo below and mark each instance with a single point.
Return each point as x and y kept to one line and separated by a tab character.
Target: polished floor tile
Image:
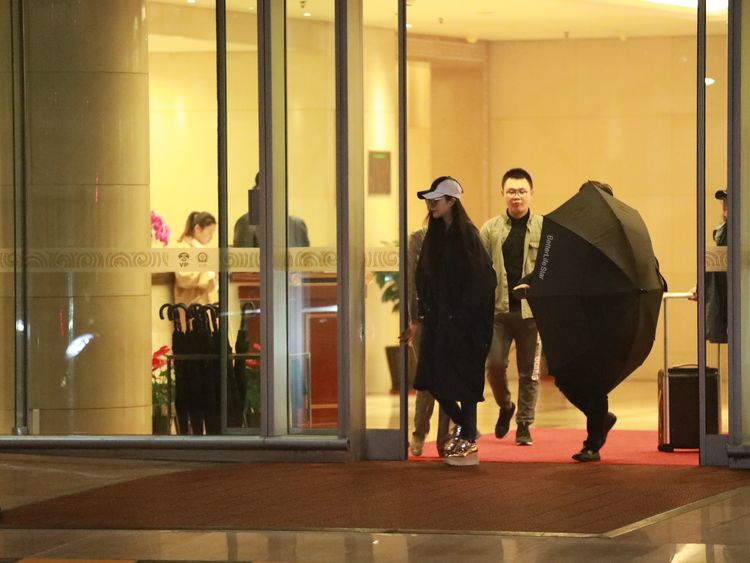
716	530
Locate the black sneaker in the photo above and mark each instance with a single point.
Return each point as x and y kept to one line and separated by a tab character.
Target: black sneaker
587	454
503	421
523	436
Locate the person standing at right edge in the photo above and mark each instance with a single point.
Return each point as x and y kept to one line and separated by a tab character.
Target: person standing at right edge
512	241
455	295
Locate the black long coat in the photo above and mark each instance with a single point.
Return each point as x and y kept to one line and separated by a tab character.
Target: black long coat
456	305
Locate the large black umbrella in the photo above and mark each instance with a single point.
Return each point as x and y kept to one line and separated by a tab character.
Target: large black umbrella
596	290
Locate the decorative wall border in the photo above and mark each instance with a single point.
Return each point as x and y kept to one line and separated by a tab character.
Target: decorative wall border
155	260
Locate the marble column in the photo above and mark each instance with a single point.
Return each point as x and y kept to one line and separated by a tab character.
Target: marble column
88	199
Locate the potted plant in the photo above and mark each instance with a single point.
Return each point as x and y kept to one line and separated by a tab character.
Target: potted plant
389	283
160	392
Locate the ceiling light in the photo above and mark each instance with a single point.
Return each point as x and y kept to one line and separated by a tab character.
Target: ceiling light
191	1
709	80
408	26
307	14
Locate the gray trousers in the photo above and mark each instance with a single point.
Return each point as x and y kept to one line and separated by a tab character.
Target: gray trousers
425	406
512	327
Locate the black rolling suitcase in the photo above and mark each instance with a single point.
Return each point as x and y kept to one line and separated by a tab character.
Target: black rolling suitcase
679	414
679	417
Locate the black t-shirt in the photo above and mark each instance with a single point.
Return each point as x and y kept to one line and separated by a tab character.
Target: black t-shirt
513	257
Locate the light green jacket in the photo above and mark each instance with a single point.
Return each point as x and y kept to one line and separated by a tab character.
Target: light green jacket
493	234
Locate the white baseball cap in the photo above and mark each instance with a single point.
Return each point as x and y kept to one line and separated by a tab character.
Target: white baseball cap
443	186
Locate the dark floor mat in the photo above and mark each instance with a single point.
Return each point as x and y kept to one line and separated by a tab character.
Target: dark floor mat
529	497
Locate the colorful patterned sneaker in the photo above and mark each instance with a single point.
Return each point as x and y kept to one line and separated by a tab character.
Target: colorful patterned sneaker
463	453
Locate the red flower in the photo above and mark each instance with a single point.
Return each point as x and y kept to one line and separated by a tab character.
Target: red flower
252	363
158	359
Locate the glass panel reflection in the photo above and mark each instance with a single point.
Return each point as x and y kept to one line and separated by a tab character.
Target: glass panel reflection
717	348
183	136
7	292
380	73
311	228
243	389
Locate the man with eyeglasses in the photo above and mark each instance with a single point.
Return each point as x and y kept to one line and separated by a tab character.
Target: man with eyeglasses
512	240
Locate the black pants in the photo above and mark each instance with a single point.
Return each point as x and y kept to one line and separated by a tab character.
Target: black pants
465	416
591	403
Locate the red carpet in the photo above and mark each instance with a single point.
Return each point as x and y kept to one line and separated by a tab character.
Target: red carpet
556	445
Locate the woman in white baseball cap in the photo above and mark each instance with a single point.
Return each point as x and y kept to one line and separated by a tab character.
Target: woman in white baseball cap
455	295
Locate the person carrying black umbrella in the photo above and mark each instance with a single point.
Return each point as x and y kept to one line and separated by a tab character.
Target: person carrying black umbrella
455	297
596	293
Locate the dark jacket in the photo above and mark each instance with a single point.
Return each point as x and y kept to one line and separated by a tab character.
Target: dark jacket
456	305
716	296
247	235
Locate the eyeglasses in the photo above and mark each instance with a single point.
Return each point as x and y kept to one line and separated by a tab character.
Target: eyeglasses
434	202
511	192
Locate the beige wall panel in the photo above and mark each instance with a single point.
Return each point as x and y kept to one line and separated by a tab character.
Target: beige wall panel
459	127
310	35
419	174
381	131
88	127
419	94
311	81
182	82
418	143
548	90
120	23
183	166
630	77
242	82
311	172
108	372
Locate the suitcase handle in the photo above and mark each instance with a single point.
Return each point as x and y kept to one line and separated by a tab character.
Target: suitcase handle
666	297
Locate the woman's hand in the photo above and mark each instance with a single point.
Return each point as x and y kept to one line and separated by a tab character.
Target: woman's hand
520	290
408	333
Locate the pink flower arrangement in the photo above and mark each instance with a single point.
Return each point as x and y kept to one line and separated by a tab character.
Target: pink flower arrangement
161	230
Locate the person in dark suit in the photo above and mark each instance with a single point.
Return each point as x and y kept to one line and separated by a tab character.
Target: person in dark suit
246	233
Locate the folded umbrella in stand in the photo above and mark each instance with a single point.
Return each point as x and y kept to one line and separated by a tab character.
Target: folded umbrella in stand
180	345
596	290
